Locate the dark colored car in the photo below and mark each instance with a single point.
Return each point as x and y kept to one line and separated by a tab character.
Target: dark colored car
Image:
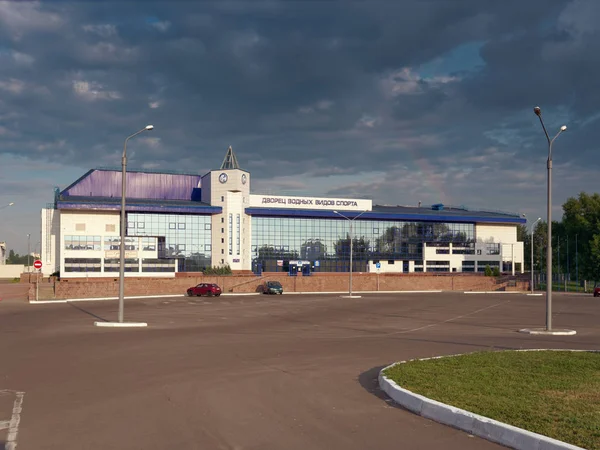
597	290
273	287
209	289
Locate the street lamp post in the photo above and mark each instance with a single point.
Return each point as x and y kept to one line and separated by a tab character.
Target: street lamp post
122	246
532	229
29	255
538	112
6	206
351	246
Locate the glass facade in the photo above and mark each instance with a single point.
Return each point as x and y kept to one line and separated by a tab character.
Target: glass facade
184	237
277	240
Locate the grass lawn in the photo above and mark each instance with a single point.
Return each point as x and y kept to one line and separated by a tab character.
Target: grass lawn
554	393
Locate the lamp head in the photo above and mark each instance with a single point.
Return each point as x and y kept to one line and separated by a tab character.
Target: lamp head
537	110
335	212
563	128
149	127
11	203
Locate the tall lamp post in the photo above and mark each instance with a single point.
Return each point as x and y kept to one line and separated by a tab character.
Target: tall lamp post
351	246
6	206
122	246
532	228
538	112
29	254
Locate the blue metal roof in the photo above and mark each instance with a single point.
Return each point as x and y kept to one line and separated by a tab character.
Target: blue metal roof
87	203
395	213
140	185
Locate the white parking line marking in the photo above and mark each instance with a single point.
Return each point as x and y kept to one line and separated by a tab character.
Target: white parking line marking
13	427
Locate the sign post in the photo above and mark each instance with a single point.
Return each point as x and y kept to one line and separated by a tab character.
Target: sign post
38	265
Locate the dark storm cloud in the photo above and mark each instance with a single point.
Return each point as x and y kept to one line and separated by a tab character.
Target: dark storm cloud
315	89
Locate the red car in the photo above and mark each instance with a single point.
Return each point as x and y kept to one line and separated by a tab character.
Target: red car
209	289
597	290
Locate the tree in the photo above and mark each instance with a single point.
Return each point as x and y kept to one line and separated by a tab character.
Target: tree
269	252
594	266
581	217
360	248
15	258
313	250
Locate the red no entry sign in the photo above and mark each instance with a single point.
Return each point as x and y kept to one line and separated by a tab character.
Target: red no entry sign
37	264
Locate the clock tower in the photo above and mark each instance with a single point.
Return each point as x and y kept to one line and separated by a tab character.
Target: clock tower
229	188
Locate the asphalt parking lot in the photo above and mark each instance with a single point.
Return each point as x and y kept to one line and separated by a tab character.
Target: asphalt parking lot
252	372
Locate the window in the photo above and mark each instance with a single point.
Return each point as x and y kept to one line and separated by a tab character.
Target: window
113	265
113	243
82	243
238	226
222	240
158	265
109	228
141	225
222	219
231	234
185	237
82	265
222	198
149	244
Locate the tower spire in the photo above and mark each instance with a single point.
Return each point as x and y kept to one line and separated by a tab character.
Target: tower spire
230	161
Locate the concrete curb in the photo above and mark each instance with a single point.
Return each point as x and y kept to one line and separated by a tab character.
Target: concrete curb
494	292
95	299
121	324
364	292
484	427
543	332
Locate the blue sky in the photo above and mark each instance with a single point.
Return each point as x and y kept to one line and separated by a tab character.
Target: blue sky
402	102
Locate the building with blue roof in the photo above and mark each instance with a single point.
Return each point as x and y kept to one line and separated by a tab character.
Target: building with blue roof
186	222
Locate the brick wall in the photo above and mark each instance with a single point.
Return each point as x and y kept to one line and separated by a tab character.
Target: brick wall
322	282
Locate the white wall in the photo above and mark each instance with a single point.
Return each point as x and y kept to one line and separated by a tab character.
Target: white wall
50	241
235	193
11	270
506	234
495	243
103	224
3	253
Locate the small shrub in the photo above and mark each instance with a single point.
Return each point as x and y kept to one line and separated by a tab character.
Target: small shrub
219	270
488	271
496	272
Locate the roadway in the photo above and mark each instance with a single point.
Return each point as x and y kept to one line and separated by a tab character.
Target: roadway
251	372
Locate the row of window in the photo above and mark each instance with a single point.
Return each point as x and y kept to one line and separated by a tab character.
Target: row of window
110	243
324	239
112	265
181	236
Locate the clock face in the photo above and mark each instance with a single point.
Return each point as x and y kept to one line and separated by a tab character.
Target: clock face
223	178
244	178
